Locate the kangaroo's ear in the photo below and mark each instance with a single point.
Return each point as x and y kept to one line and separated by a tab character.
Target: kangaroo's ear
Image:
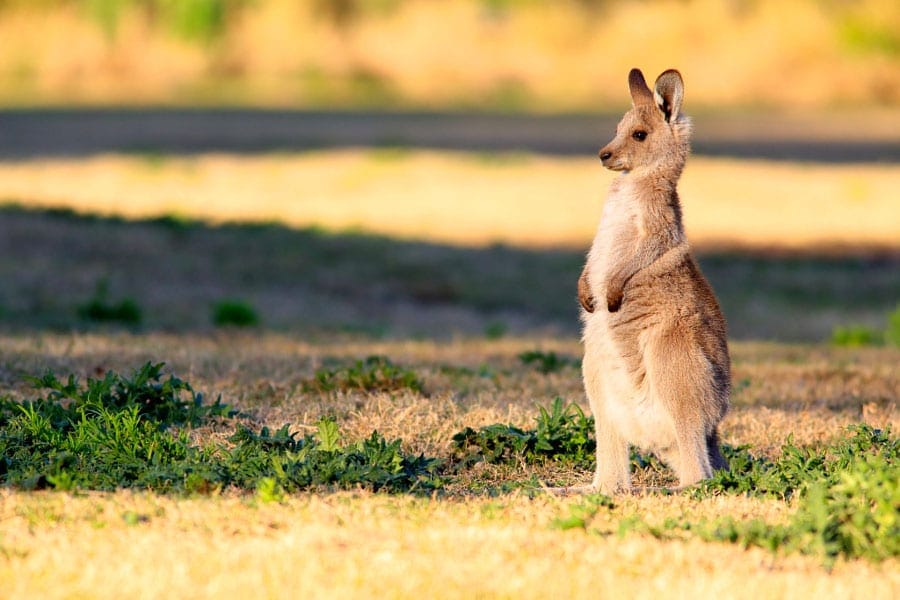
640	93
668	94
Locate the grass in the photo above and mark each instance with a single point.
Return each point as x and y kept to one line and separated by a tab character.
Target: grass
483	520
117	432
359	544
374	374
563	433
849	493
354	282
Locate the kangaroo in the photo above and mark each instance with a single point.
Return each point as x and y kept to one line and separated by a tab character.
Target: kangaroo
656	367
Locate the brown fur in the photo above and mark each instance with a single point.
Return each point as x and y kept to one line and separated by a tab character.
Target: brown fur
656	366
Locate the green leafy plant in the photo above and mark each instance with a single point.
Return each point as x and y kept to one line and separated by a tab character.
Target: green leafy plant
849	493
234	313
581	513
495	330
100	308
165	400
269	490
562	432
854	336
852	513
797	467
107	13
299	463
548	362
374	374
119	432
859	335
892	333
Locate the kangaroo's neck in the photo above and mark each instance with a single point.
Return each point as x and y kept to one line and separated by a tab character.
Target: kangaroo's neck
655	200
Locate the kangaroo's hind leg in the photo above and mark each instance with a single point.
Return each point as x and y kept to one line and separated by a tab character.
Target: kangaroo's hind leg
716	460
680	379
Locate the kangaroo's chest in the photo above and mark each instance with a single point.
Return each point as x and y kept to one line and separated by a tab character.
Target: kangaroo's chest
618	235
620	229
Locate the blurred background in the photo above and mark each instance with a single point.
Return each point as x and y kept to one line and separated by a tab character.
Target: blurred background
425	168
534	55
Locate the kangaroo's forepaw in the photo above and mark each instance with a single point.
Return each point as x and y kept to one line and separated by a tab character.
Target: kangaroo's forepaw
587	303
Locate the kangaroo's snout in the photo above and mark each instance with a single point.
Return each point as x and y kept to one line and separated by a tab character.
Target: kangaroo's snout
612	157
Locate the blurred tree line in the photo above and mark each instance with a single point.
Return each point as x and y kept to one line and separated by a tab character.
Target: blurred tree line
189	19
204	20
557	54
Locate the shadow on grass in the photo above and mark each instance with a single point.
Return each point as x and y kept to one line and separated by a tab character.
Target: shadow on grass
317	283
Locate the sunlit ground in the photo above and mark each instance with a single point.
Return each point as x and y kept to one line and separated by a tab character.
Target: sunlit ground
470	199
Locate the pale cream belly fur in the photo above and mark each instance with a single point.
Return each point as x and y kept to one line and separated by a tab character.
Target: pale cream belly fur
630	407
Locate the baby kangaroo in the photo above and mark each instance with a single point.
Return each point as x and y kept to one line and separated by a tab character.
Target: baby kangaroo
656	367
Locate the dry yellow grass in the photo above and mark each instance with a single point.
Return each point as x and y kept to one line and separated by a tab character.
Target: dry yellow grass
469	199
461	545
362	545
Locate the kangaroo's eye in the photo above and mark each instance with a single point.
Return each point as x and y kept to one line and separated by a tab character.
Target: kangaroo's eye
639	135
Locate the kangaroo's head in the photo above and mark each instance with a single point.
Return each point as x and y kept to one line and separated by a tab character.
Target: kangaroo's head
653	135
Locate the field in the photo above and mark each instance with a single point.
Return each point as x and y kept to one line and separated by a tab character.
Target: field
486	533
478	323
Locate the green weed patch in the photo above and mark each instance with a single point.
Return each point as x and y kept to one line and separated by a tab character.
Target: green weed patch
295	464
849	498
892	333
234	313
848	492
374	374
855	336
563	432
548	362
121	432
162	400
134	432
99	308
849	501
798	468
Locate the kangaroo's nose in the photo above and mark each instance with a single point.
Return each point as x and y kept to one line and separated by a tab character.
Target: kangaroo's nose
605	155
